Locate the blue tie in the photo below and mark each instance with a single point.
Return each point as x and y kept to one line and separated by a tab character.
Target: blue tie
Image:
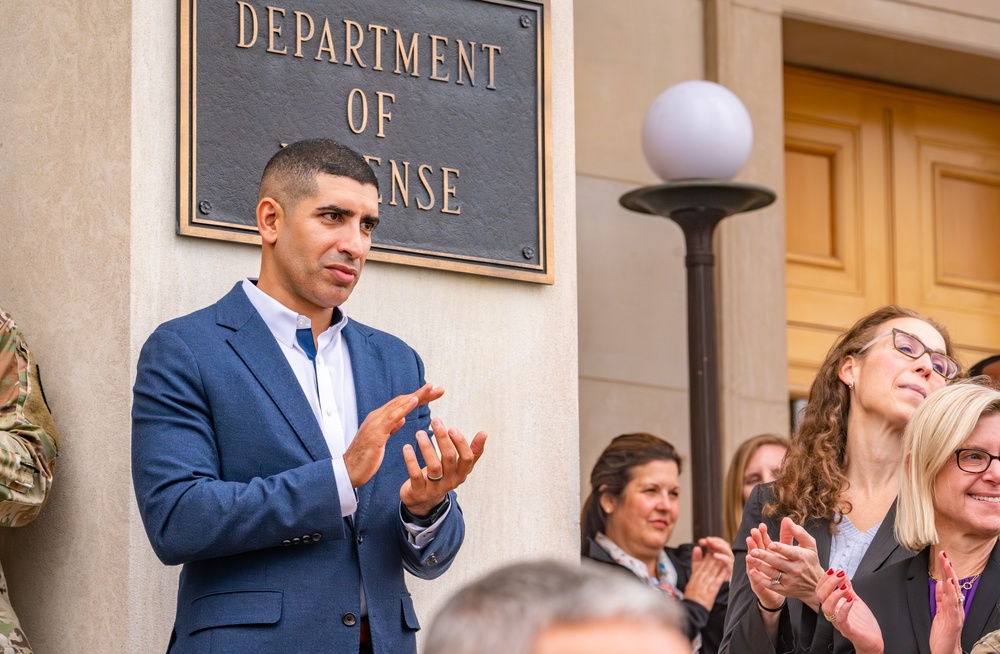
305	338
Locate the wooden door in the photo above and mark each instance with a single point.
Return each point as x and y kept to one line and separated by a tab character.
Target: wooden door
892	195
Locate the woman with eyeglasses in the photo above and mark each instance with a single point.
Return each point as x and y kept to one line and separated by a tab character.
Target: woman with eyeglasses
833	504
946	597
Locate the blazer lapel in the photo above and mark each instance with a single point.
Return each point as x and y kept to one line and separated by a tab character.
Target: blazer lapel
918	600
984	614
370	384
254	343
882	546
820	530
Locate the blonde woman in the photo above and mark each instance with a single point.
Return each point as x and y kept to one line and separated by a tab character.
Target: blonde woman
756	461
947	597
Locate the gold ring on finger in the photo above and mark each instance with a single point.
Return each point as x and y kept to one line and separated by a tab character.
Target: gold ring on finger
832	617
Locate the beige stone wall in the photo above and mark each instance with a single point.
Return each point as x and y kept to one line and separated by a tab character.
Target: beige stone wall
93	264
64	170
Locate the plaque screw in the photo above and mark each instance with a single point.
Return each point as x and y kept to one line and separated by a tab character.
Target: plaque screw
525	21
528	252
205	207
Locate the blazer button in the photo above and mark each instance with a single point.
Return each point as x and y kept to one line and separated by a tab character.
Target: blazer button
432	560
317	537
296	541
306	539
286	542
349	619
361	538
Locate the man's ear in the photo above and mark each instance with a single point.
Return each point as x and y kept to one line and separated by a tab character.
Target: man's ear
270	219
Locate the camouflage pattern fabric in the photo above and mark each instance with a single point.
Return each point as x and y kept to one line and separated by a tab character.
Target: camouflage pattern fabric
29	444
989	644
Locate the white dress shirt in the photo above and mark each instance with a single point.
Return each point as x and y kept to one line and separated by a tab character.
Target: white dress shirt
329	387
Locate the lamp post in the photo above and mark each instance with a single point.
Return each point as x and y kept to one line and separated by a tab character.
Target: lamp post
699	135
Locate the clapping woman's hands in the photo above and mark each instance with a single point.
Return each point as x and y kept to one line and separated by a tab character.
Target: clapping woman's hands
711	566
760	583
784	568
946	628
848	613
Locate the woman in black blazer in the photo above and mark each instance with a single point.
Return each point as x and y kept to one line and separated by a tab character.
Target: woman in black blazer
838	479
947	597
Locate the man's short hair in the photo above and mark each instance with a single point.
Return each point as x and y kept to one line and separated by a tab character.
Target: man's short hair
503	612
290	175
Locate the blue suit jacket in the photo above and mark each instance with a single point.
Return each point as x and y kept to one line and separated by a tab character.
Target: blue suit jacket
233	480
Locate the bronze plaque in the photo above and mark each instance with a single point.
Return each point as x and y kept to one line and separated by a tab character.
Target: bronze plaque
447	99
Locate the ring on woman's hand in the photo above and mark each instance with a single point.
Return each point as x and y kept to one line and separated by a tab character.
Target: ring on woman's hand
961	598
777	580
832	617
429	478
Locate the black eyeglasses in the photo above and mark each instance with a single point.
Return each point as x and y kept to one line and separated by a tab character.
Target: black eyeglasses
971	460
914	348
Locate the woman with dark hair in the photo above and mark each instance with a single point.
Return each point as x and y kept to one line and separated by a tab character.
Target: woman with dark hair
757	461
834	503
627	520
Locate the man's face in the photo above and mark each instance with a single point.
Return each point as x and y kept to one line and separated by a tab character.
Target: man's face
611	635
320	244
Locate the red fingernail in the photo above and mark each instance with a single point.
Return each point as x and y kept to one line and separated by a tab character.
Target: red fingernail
849	599
945	554
830	571
844	587
841	573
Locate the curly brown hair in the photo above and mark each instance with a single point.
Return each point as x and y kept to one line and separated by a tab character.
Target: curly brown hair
813	480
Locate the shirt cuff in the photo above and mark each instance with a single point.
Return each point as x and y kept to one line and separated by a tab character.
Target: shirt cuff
419	535
348	496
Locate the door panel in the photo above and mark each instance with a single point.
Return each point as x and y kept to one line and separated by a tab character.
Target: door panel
892	195
948	218
836	182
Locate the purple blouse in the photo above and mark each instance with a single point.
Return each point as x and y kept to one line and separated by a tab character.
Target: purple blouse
968	594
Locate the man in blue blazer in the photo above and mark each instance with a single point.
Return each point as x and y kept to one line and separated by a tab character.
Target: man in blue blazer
274	441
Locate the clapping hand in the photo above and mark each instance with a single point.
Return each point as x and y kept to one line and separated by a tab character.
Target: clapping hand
848	613
711	566
946	628
444	472
786	568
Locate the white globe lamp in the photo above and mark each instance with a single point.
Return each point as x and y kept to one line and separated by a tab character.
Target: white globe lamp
697	130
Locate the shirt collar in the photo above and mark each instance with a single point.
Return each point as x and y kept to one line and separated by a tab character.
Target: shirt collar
282	321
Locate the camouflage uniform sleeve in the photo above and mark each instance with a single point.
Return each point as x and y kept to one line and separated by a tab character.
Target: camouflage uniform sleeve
28	439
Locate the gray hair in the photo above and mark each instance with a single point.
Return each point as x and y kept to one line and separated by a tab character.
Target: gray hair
504	611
